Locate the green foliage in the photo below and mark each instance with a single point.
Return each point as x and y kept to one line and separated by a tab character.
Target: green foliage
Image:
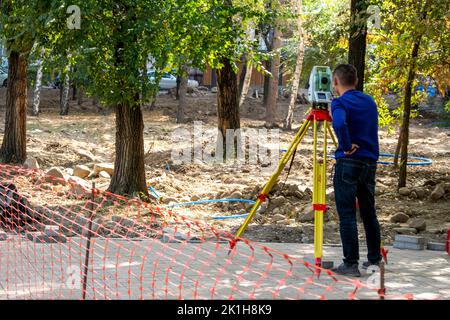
389	51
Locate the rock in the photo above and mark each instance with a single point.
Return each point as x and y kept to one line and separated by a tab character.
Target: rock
306	215
438	192
278	217
405	230
81	171
214	90
399	217
104	174
277	201
108	167
404	191
55	176
128	223
418	224
418	193
86	154
31	163
236	195
79	186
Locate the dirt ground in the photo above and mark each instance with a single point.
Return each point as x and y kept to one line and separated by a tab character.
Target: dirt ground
86	136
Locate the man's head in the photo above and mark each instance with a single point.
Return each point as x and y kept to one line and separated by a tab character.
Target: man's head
345	77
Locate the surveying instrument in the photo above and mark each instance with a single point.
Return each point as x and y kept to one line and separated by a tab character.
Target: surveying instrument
319	95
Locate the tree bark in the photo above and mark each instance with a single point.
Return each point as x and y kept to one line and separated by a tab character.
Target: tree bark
13	148
227	103
37	88
298	69
407	114
357	39
64	101
272	94
246	82
129	170
182	96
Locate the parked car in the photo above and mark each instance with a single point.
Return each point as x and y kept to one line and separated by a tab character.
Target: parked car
169	81
3	77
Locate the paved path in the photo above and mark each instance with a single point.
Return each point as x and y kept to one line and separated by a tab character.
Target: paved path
151	269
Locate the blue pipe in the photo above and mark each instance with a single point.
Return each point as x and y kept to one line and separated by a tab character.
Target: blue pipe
423	161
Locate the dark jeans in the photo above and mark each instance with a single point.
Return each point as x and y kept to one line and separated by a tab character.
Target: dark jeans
356	179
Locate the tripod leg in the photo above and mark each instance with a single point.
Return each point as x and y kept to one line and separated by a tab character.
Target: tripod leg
330	131
273	179
319	195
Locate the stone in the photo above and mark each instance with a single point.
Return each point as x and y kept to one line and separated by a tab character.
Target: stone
277	201
108	167
399	217
438	192
409	239
55	176
403	230
306	215
214	90
86	154
125	222
278	217
3	236
31	163
48	236
436	246
409	246
418	224
418	193
104	174
404	191
236	195
79	186
81	171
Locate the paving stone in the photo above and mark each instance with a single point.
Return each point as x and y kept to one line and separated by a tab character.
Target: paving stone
408	245
436	246
46	237
409	239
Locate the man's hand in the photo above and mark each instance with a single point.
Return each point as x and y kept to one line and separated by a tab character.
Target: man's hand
354	148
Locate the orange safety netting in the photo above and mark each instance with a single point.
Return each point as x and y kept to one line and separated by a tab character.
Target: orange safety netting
63	241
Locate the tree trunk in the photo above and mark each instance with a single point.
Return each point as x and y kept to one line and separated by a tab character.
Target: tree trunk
406	114
246	82
37	88
79	97
298	69
182	96
272	94
64	97
129	171
227	104
357	39
13	148
266	82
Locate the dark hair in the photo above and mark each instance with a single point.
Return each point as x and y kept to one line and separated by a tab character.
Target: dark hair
346	74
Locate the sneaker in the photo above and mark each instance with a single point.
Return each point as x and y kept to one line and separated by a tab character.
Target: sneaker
350	270
367	264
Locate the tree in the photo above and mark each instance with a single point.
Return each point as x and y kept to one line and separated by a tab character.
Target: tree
116	41
357	39
408	49
298	66
20	24
272	92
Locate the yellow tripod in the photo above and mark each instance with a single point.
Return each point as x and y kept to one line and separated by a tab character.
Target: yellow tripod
319	171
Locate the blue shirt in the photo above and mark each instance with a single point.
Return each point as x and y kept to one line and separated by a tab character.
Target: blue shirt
355	120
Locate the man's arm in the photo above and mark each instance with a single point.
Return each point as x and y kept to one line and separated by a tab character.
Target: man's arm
340	127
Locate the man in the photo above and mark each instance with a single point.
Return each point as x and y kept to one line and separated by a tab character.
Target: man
355	122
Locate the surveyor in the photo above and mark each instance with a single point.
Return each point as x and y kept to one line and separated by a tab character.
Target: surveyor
355	122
